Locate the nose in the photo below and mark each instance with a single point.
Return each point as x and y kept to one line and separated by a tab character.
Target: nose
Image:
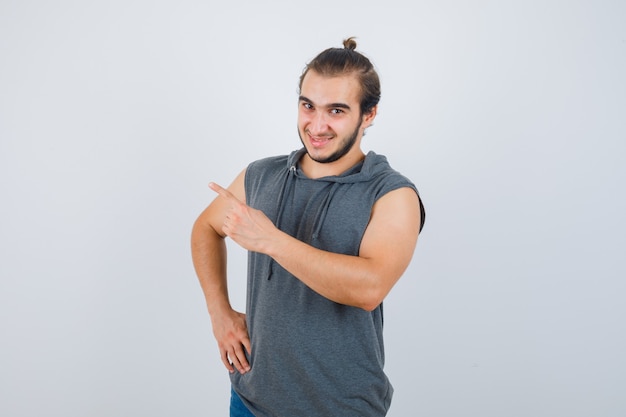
319	123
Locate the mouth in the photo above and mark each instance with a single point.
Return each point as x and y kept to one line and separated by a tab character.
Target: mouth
319	141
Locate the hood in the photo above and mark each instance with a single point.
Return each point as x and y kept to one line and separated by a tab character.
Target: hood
372	165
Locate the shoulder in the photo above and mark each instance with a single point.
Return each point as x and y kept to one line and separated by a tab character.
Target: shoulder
258	171
278	160
383	176
395	186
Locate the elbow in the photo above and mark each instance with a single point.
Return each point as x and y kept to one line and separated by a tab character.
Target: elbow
370	307
375	292
370	301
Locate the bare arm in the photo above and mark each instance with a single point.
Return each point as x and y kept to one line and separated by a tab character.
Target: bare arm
361	281
208	250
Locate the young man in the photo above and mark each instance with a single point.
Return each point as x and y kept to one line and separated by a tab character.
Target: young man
329	232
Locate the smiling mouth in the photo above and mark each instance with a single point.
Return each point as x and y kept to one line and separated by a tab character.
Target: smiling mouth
319	140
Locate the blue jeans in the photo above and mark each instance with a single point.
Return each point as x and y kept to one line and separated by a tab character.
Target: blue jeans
237	407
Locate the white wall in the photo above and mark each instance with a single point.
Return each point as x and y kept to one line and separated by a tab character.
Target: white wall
509	116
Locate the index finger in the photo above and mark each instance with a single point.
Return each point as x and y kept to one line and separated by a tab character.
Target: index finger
222	191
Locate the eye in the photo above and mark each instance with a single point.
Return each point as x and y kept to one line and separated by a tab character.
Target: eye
306	105
336	111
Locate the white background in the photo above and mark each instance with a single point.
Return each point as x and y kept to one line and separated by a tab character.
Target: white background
509	116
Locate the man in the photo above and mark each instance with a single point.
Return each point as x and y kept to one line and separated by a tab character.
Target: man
329	231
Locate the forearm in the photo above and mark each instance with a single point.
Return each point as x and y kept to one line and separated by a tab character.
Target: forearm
208	251
345	279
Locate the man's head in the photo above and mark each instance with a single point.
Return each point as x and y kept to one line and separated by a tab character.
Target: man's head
335	62
339	94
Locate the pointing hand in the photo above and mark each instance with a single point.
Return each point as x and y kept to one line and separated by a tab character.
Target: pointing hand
246	226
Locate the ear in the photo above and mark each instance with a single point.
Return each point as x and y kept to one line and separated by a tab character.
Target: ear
368	118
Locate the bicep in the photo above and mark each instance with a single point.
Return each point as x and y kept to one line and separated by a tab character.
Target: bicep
391	235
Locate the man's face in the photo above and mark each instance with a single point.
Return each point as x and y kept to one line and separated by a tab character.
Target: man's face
329	117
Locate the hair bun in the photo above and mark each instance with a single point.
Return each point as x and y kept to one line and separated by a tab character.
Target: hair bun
350	43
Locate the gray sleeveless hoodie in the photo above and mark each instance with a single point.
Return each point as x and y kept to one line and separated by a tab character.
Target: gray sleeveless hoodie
312	357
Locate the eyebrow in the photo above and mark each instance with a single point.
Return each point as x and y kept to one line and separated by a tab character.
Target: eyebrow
330	106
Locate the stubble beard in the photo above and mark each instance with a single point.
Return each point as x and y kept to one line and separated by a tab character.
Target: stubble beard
347	145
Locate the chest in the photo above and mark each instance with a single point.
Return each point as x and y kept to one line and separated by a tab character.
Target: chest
329	216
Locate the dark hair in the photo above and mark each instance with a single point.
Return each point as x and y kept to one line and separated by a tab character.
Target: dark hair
341	61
